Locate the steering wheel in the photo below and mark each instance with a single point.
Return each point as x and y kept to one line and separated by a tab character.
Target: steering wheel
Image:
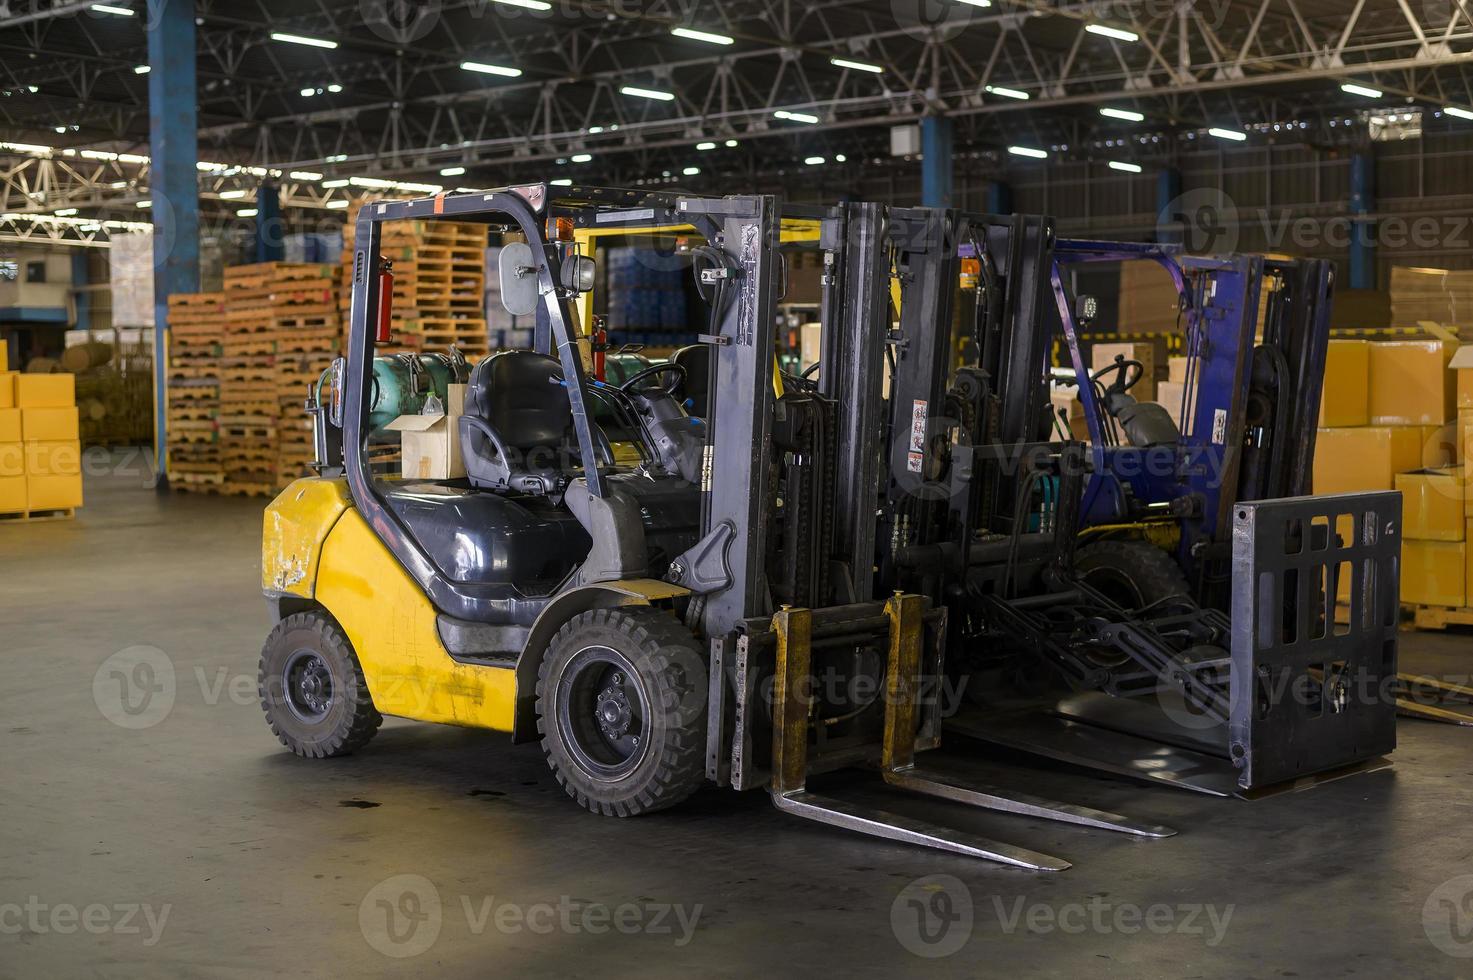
676	371
1123	382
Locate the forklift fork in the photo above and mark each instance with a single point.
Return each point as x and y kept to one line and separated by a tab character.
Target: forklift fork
792	710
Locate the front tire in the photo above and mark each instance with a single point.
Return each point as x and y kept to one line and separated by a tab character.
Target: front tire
312	688
621	705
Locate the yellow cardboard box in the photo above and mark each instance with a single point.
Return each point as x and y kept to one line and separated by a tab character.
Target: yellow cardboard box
45	390
65	459
49	424
1365	458
53	492
10	427
1411	383
1440	445
12	459
7	387
1345	397
4	355
1434	573
12	494
1176	369
1432	504
1462	363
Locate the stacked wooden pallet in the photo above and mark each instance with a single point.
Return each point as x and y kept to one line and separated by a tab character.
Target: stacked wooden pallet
439	272
282	327
1437	295
196	328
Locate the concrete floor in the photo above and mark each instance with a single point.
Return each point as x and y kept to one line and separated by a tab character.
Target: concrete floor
195	845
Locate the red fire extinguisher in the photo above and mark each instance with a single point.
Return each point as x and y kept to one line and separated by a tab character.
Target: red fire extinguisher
600	346
383	332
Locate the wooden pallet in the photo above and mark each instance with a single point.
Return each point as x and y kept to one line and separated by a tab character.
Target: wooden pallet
36	516
1441	617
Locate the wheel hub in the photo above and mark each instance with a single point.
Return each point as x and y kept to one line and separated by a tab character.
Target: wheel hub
308	686
611	711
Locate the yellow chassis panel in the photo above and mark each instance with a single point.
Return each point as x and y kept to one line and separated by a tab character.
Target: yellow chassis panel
392	627
293	530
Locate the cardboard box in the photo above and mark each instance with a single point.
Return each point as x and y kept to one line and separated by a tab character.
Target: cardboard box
1365	458
1462	365
1176	369
7	388
1411	383
1103	355
1441	445
1065	398
1432	504
1168	396
12	494
45	390
10	427
53	458
810	336
12	459
4	356
53	492
430	444
1434	573
49	424
1345	398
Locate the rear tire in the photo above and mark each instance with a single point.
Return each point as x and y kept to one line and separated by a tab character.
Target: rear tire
1132	574
621	708
312	688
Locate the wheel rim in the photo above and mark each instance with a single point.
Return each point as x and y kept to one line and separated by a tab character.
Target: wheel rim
603	713
307	683
1120	589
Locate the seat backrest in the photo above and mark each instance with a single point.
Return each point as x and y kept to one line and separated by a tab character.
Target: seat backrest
696	359
520	393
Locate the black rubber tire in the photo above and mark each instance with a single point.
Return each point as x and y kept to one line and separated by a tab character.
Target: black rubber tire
1134	574
671	671
350	719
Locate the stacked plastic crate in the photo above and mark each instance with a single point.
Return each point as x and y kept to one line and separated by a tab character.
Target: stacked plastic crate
439	270
196	329
646	299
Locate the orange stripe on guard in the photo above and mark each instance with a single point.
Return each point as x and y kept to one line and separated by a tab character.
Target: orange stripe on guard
439	203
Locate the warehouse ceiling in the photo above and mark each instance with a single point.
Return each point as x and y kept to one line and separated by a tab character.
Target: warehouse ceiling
771	83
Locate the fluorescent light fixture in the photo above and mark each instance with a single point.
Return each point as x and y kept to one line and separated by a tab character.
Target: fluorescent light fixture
231	195
1459	111
334	88
337	205
1028	151
335	183
647	93
856	65
594	130
840	158
66	212
304	175
707	36
1008	93
138	158
311	42
1364	90
581	157
417	188
60	129
1129	168
247	213
976	3
107	8
691	171
1227	134
799	117
142	69
143	204
337	158
1112	32
1129	115
706	146
527	4
452	171
98	155
485	69
813	161
562	182
731	142
308	91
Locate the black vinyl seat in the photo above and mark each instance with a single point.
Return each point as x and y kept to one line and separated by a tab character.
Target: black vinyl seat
516	423
695	389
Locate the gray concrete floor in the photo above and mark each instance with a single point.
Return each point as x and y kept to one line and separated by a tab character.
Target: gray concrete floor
264	863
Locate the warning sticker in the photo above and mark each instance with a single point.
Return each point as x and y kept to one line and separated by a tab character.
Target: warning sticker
1219	426
913	462
918	426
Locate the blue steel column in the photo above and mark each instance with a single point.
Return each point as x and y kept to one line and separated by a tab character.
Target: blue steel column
1168	189
936	162
1362	228
270	239
173	185
83	295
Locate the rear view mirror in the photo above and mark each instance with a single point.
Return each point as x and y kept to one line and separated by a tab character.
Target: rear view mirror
577	273
518	279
